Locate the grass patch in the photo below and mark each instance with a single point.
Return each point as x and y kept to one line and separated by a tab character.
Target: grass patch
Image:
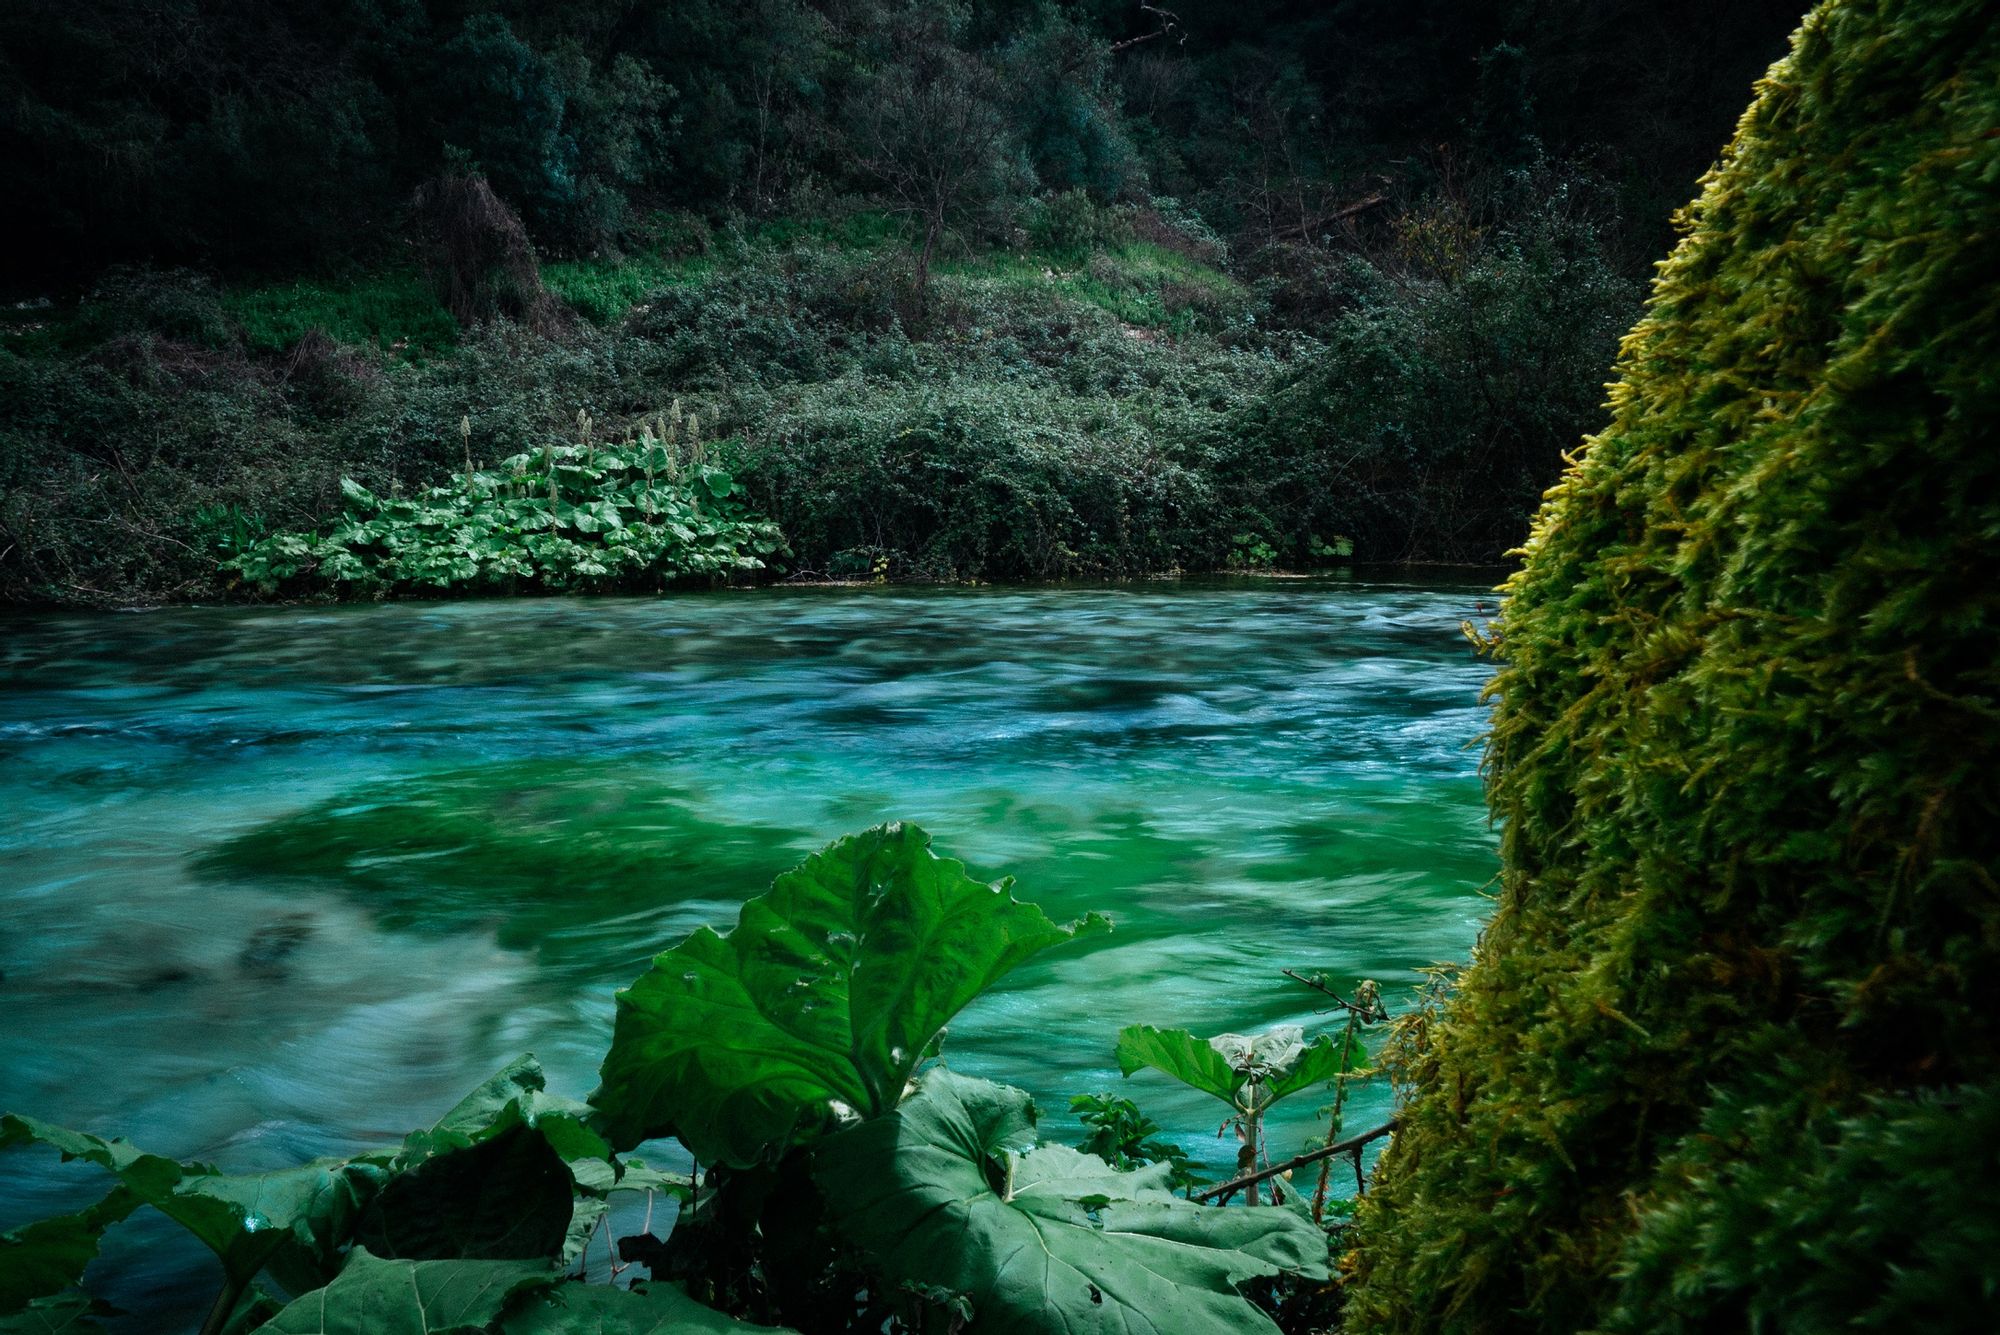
393	311
604	290
1141	284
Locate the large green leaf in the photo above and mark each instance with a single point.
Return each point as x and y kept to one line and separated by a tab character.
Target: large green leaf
1181	1055
600	1309
67	1313
508	1197
1280	1061
245	1220
830	990
516	1095
372	1296
44	1258
494	1179
938	1193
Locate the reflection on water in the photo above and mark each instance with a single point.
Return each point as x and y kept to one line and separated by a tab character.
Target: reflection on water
277	883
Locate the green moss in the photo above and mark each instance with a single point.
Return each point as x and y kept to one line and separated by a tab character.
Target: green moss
1727	1057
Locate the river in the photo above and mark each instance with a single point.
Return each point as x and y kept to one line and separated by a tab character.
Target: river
284	882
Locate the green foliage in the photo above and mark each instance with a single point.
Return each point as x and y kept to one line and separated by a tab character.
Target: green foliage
830	990
282	1218
979	481
844	1191
41	1259
1124	1137
439	1234
1035	420
1071	226
587	516
945	1192
371	1296
1724	1055
392	311
1247	1072
604	290
1451	378
293	142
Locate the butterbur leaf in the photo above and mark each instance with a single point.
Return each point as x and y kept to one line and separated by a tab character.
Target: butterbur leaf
245	1220
1281	1061
1188	1059
504	1198
1316	1064
372	1296
296	1216
61	1314
821	1002
600	1309
1261	1054
939	1193
517	1094
44	1258
634	1175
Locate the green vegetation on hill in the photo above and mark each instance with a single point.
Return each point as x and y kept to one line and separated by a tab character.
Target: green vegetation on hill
1121	408
1727	1057
1037	289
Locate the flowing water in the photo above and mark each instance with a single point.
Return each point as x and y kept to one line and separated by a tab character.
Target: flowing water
279	883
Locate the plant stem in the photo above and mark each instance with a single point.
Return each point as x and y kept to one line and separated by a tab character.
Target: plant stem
225	1304
1333	1122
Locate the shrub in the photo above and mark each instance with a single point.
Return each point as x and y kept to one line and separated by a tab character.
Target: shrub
1445	394
1071	225
958	481
595	517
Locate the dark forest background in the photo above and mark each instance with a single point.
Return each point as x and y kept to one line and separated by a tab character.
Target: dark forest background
1015	289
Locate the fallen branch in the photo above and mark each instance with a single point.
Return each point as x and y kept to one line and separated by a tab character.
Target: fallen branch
1341	214
1352	1145
1368	1015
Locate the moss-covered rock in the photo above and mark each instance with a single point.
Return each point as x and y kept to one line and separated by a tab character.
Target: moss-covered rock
1726	1058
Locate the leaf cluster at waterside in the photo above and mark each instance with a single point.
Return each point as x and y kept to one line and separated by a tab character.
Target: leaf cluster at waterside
844	1188
589	517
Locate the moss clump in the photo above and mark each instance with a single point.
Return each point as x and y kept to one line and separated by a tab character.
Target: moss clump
1726	1057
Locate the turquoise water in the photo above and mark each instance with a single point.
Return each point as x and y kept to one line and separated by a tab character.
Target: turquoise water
277	883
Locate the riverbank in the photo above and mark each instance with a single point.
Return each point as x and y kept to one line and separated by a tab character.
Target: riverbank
1136	407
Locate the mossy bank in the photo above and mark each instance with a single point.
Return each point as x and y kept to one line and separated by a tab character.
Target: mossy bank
1727	1057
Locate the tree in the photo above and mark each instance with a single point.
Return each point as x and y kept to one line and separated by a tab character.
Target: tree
929	131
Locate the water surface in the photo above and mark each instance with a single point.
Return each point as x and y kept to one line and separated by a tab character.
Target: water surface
277	883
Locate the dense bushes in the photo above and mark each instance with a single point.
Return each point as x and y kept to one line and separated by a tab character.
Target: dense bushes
634	515
971	479
1459	367
1096	409
1727	1055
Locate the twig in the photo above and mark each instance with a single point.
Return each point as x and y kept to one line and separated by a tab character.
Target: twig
1348	1146
1367	1014
1170	23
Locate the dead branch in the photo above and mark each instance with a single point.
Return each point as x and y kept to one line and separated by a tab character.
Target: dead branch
1352	1145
